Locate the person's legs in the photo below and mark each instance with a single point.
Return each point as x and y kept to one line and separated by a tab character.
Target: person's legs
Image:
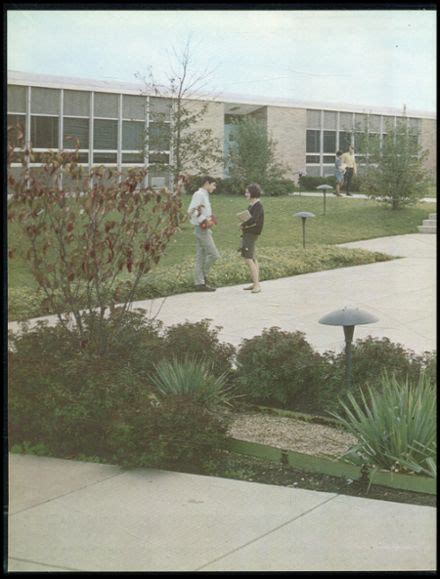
211	253
348	177
254	272
199	277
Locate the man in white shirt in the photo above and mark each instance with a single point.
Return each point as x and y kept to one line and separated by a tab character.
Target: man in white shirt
200	214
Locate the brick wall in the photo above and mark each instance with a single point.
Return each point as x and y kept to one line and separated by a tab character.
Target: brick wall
428	140
213	119
287	127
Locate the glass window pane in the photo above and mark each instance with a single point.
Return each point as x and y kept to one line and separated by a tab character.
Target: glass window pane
360	122
132	157
45	100
328	158
313	142
330	119
105	135
16	98
312	159
388	124
133	135
159	137
104	157
313	171
329	141
16	136
44	132
313	119
76	129
345	121
344	140
328	170
158	158
414	124
374	123
76	103
133	107
106	105
160	108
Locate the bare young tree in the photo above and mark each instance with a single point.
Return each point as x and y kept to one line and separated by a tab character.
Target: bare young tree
193	148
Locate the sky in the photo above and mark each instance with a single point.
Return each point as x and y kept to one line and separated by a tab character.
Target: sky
384	58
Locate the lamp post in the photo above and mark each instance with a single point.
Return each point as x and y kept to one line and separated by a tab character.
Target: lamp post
304	215
348	319
324	188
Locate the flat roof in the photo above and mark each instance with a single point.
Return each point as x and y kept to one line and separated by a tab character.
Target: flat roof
137	88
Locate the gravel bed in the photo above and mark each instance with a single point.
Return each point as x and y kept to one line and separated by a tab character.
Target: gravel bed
291	434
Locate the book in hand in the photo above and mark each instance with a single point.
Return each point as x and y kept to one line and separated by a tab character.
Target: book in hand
244	216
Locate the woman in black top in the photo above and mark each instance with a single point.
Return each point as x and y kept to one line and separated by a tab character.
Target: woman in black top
251	230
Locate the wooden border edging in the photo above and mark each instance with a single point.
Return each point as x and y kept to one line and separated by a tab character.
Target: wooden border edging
309	463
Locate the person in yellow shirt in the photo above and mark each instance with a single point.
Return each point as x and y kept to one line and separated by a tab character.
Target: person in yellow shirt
348	159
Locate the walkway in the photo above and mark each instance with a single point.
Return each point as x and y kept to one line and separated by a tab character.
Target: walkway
77	516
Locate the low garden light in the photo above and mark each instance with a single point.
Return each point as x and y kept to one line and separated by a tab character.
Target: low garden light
348	318
324	188
304	215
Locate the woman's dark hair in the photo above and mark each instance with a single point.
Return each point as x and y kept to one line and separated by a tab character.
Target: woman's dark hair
338	153
208	179
254	190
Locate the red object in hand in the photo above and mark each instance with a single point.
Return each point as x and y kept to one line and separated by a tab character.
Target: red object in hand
208	223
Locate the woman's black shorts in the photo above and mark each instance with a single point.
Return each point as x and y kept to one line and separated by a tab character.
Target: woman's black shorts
248	245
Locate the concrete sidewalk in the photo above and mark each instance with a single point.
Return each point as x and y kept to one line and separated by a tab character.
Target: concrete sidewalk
76	516
401	293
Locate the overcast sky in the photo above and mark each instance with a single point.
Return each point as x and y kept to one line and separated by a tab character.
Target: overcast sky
361	57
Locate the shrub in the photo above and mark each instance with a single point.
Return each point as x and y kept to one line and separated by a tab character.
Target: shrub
276	367
176	433
198	340
192	378
277	187
309	183
396	426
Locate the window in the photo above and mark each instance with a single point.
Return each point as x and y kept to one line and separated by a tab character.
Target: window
44	132
361	143
162	158
330	120
106	105
313	119
313	141
76	129
16	98
76	103
133	107
344	140
160	109
312	159
329	141
414	124
104	158
132	157
105	135
360	122
329	159
17	124
133	135
158	137
345	121
374	123
45	101
313	171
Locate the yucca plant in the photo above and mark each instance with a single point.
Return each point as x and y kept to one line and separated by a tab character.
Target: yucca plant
395	425
194	378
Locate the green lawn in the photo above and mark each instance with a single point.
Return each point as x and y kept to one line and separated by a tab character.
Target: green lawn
345	220
279	246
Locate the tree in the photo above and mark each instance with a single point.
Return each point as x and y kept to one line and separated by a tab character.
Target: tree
193	148
91	240
395	173
252	154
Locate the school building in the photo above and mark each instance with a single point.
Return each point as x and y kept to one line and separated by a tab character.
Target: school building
110	120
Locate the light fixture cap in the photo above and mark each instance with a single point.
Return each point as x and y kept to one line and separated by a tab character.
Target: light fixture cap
348	317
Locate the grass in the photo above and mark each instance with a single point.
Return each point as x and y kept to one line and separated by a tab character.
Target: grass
345	220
